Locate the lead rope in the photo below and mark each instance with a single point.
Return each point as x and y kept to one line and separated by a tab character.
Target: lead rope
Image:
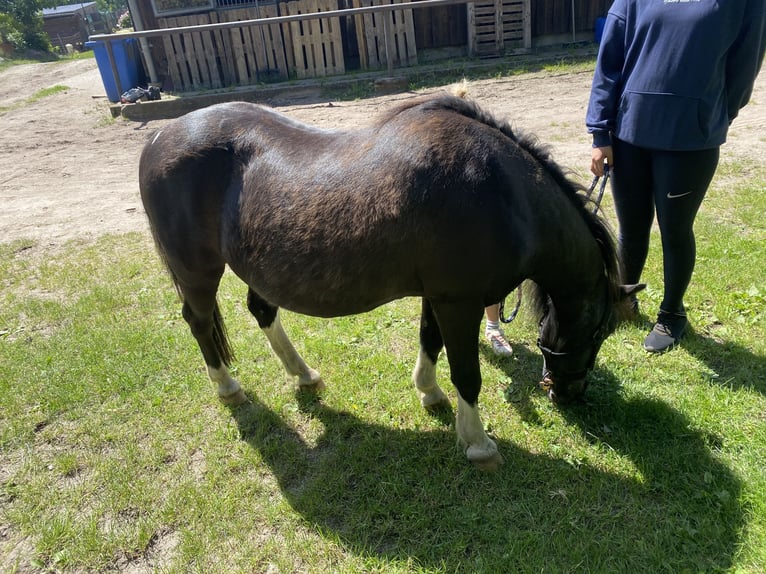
597	205
601	189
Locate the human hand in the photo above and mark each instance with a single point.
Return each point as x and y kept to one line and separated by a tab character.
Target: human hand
599	156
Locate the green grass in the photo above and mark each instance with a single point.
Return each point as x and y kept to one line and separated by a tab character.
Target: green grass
115	453
39	95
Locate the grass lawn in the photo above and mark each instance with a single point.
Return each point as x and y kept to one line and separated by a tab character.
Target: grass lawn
115	454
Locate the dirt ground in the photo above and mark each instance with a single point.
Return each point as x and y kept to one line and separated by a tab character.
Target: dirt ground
67	170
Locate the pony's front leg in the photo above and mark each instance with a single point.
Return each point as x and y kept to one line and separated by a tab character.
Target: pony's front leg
268	319
459	325
424	375
479	448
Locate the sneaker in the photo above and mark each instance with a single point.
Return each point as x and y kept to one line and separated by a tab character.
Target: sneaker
499	345
667	332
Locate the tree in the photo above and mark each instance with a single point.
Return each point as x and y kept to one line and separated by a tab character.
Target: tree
21	24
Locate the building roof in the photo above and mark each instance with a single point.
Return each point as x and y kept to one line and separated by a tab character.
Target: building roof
70	9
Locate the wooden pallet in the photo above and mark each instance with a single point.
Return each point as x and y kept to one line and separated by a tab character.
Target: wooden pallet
254	53
371	32
191	56
317	48
220	58
497	26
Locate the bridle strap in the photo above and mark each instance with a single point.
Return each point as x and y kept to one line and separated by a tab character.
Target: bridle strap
551	353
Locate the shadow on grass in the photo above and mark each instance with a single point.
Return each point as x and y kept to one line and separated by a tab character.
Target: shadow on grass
406	495
734	366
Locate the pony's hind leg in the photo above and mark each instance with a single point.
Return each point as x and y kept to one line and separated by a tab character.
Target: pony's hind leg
268	320
201	313
424	374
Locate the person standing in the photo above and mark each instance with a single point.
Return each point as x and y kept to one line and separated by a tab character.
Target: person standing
670	77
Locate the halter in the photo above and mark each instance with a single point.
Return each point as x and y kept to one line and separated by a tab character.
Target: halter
597	205
598	335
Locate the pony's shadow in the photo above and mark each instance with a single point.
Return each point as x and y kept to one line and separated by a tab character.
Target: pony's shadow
522	371
406	495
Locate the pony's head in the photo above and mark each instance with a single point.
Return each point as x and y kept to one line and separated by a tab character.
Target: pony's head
567	360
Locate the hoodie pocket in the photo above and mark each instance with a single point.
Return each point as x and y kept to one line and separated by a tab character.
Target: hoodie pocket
660	121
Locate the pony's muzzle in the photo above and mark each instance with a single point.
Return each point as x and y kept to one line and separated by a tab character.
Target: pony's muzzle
562	393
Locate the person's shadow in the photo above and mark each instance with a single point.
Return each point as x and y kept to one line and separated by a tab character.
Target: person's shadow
731	365
410	495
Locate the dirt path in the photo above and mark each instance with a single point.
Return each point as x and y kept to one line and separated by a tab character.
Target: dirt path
68	171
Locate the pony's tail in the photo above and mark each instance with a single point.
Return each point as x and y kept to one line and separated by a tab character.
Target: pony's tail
221	337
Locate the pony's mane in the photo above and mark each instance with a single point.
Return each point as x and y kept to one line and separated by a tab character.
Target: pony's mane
541	153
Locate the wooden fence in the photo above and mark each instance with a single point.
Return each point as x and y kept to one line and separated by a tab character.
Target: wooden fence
300	48
294	39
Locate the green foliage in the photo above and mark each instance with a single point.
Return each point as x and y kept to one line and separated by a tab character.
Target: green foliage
124	21
112	6
10	31
24	24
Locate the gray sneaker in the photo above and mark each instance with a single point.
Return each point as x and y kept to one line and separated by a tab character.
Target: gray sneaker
666	333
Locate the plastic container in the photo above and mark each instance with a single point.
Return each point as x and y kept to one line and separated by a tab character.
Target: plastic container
127	60
599	31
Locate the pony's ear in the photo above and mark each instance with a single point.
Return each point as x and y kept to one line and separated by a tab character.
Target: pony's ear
628	290
626	306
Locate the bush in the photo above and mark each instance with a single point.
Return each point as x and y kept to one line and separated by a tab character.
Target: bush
22	25
10	32
124	21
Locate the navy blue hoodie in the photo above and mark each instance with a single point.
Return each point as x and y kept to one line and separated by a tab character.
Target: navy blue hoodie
673	74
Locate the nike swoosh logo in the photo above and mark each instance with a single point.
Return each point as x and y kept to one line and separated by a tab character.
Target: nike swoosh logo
675	195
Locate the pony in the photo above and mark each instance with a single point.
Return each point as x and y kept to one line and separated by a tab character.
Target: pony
436	199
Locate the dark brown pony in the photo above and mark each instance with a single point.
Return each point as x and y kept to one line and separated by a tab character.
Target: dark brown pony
436	199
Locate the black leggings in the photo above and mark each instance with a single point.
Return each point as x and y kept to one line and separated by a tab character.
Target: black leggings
673	183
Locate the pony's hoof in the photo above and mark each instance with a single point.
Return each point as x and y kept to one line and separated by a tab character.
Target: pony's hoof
434	401
485	457
310	382
435	406
235	399
490	464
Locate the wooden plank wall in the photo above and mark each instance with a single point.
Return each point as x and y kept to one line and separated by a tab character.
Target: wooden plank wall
316	44
311	48
498	26
370	33
551	17
440	27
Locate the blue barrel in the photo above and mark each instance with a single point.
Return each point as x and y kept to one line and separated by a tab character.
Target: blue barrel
128	62
599	32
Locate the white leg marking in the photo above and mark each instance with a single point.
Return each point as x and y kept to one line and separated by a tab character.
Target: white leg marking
424	377
479	448
229	390
308	378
